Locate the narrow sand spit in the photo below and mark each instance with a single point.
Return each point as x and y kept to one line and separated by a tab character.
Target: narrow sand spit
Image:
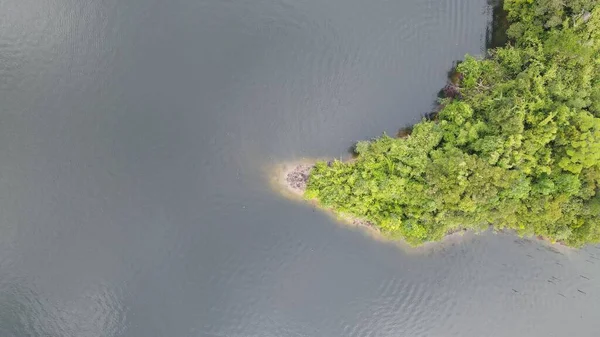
296	177
290	179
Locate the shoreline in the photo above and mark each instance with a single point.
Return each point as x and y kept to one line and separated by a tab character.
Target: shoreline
289	178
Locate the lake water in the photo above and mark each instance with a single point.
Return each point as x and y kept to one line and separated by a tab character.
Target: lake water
135	137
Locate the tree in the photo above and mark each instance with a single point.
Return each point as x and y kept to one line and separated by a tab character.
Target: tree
516	145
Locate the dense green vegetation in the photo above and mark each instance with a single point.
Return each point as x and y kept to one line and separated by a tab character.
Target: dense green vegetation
515	146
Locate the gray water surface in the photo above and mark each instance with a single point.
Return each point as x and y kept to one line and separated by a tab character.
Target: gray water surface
134	140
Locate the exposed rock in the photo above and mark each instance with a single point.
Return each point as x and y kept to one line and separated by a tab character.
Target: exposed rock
586	16
298	177
365	223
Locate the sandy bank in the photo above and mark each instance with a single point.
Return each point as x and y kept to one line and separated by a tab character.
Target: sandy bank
290	179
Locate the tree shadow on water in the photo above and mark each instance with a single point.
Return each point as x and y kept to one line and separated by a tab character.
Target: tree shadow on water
496	31
495	37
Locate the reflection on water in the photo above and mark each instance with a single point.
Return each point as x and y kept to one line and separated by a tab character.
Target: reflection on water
132	201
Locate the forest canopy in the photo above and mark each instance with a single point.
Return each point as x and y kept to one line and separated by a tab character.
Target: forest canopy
515	143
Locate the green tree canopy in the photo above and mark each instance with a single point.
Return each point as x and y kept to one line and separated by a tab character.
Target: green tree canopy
517	148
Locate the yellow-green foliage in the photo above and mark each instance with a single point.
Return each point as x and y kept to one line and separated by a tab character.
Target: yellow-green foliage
519	148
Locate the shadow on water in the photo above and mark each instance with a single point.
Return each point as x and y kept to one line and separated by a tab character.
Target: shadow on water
496	31
495	37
